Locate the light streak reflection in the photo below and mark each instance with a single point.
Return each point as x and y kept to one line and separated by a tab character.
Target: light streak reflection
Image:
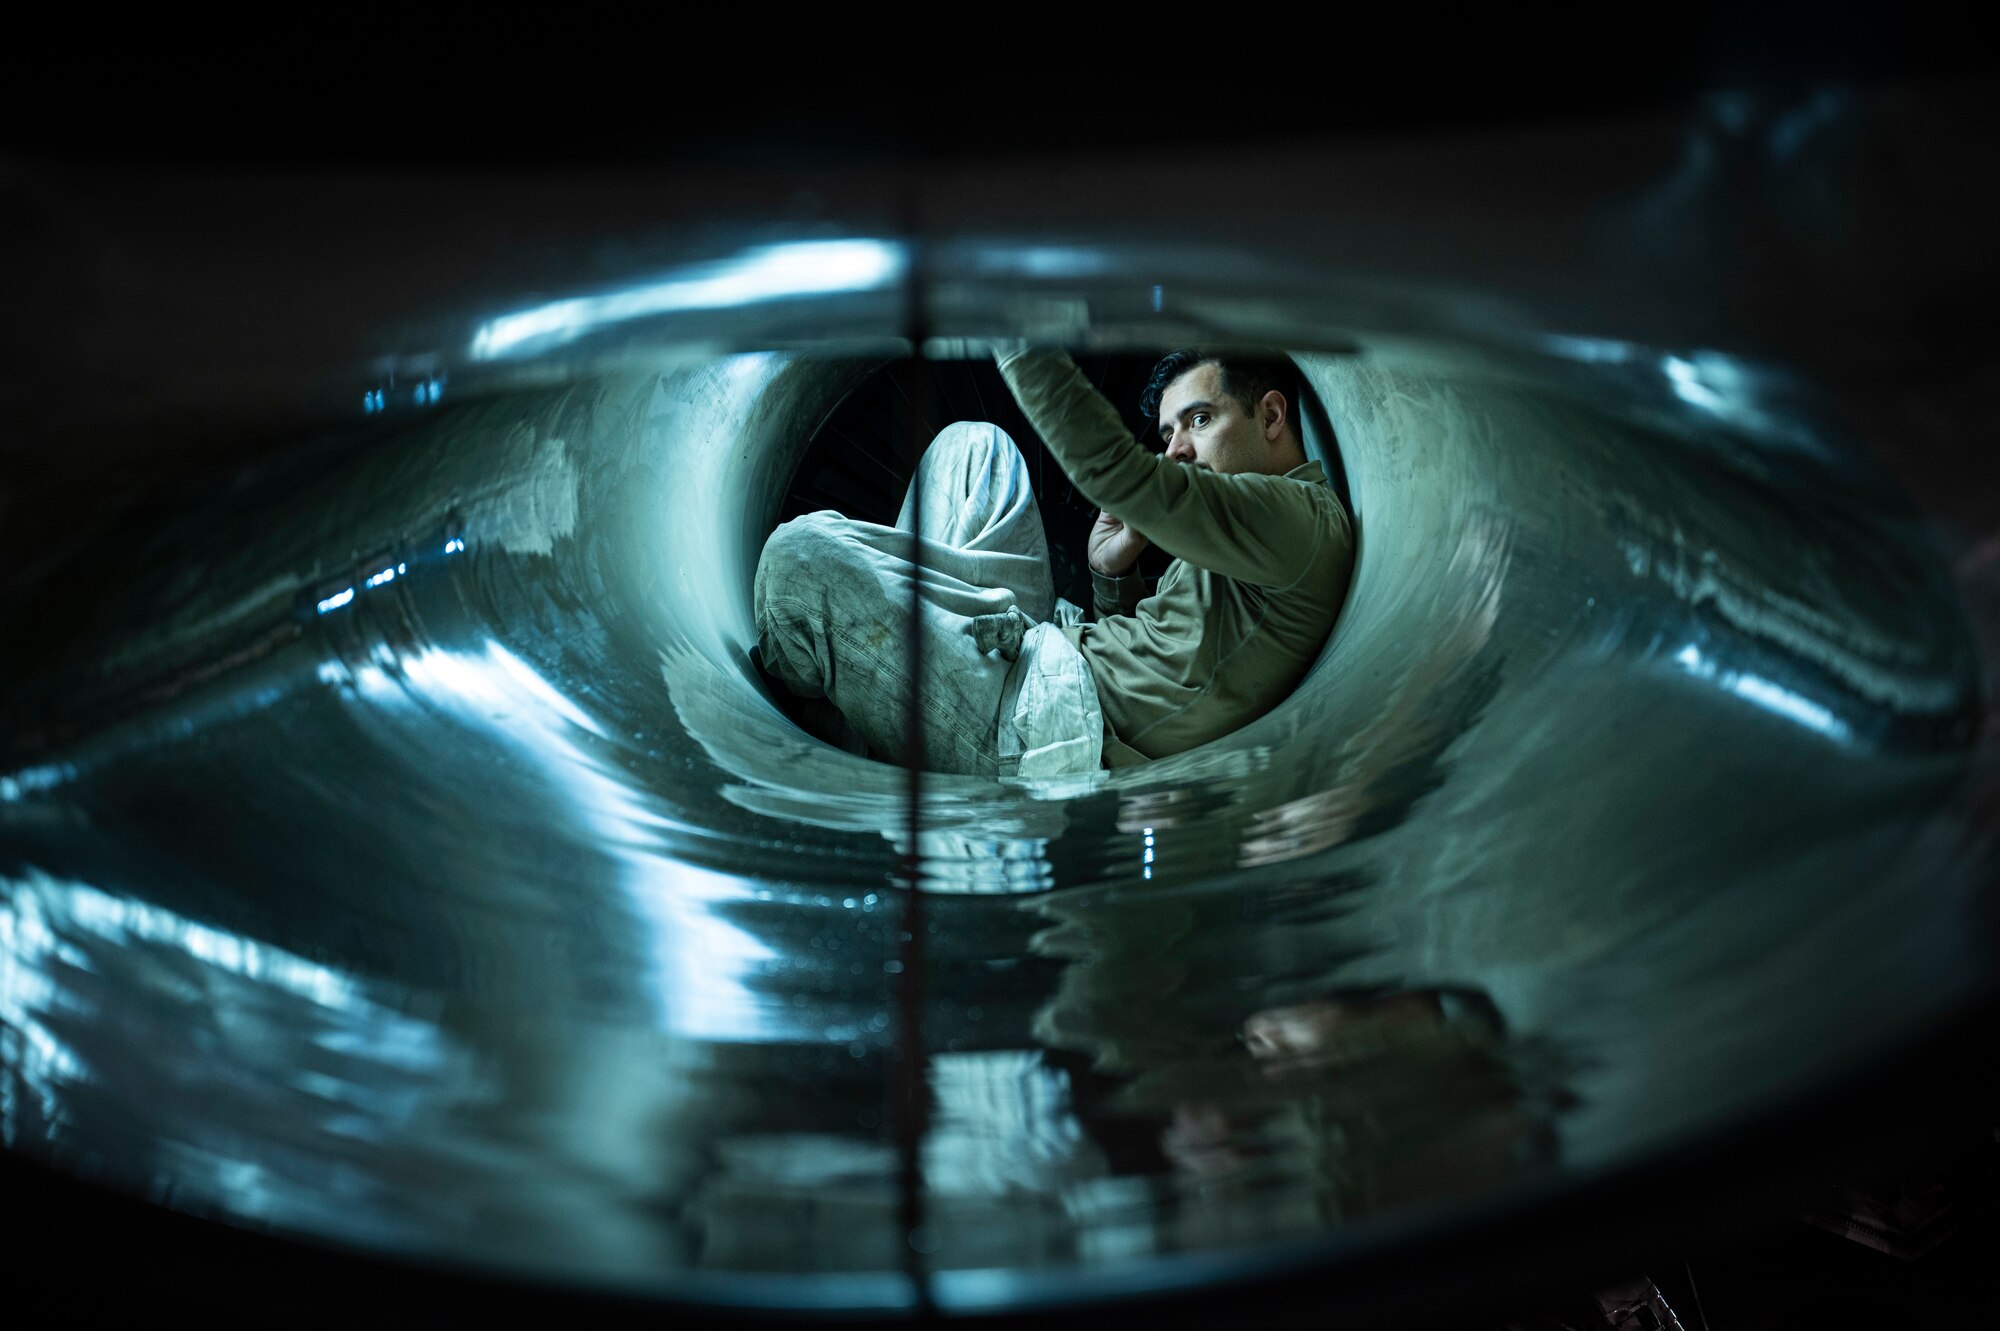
770	272
1764	693
48	922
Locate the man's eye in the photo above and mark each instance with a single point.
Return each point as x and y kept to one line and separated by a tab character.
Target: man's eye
1199	418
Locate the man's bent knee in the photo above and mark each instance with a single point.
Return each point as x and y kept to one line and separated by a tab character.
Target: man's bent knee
797	557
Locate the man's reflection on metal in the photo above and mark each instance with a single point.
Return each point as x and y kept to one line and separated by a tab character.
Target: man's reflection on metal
1269	1115
1383	1101
1307	1114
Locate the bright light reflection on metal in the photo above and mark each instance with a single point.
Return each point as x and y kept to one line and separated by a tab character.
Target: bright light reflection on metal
1773	698
46	923
1786	703
495	684
1590	350
770	272
32	780
1686	378
30	1054
1042	261
1004	1125
379	578
120	918
519	672
701	962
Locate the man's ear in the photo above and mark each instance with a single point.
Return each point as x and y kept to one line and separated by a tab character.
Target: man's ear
1272	413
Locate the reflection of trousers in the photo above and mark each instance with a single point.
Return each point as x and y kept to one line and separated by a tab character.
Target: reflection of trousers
1002	692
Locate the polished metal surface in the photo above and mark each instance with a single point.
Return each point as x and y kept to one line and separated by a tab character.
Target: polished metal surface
405	854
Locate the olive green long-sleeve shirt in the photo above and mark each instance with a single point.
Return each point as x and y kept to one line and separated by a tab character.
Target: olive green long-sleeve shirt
1261	571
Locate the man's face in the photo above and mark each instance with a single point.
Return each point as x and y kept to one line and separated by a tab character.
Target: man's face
1205	427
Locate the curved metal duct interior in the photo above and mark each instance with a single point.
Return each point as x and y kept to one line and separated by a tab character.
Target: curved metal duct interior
407	856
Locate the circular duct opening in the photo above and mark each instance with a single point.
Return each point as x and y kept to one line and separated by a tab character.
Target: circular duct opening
859	461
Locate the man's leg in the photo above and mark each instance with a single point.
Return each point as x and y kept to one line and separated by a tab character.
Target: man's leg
980	509
835	600
981	523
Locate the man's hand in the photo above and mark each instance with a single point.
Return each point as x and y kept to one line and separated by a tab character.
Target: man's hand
973	348
1114	547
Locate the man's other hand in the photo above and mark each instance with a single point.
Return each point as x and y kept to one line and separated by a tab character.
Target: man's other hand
1114	547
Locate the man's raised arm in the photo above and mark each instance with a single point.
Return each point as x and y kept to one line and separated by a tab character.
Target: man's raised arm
1246	526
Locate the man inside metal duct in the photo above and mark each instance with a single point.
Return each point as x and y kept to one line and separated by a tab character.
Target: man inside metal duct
1009	680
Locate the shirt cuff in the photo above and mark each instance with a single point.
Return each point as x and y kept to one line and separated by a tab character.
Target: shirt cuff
1119	593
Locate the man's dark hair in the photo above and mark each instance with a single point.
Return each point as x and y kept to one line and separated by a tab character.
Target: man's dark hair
1246	377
